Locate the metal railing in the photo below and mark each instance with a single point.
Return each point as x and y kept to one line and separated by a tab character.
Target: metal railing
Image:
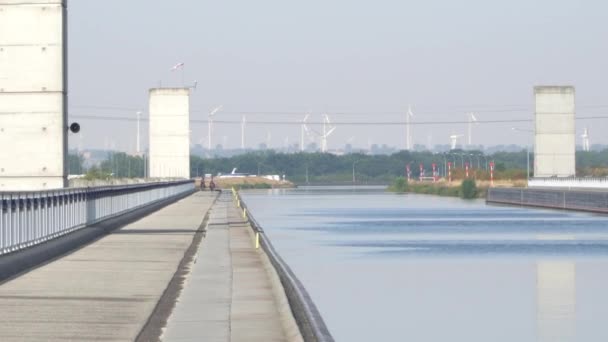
30	218
307	316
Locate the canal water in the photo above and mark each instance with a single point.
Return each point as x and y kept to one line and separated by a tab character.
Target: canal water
388	267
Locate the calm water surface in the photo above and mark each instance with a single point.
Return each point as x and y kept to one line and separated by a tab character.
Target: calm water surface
387	267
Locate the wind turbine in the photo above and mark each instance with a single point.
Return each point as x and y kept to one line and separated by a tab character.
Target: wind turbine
472	120
268	139
138	114
408	137
210	123
303	130
327	131
454	139
585	137
243	122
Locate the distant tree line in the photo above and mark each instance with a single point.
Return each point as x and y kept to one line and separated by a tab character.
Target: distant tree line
330	168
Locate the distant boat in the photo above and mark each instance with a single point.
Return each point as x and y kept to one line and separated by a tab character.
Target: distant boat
234	174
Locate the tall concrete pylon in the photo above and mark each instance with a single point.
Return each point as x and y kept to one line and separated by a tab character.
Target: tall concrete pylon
33	94
169	133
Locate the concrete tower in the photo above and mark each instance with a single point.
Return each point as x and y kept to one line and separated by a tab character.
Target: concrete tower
170	133
33	94
554	134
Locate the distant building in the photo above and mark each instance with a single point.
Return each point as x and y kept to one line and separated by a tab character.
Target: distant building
170	133
555	132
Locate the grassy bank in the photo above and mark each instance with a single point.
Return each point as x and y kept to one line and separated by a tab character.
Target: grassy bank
464	189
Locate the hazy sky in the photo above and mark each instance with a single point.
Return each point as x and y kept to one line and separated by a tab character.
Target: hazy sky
361	57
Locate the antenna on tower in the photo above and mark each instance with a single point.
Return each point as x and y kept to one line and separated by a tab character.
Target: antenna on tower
210	124
408	137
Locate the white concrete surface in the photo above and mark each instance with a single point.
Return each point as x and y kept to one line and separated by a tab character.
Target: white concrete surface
32	94
555	131
572	183
169	133
107	290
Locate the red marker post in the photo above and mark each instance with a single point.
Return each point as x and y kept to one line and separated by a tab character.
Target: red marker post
466	167
491	173
408	172
434	172
421	171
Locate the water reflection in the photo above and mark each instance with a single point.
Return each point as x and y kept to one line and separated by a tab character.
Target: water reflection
556	301
441	269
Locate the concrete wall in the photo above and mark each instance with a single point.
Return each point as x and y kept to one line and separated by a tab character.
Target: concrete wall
33	78
555	131
169	133
589	200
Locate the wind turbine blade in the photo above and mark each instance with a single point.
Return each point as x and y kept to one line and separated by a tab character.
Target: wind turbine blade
473	117
409	111
306	117
215	110
330	131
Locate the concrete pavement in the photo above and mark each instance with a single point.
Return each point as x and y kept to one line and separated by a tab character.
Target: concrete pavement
232	292
107	290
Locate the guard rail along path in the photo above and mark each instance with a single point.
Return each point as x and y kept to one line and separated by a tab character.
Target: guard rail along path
309	320
31	218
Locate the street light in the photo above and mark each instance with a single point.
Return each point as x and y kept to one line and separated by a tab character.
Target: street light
527	151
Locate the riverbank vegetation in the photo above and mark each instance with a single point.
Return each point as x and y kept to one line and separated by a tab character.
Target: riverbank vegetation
467	189
358	168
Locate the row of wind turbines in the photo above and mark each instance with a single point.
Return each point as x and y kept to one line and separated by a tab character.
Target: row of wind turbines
328	129
472	120
306	132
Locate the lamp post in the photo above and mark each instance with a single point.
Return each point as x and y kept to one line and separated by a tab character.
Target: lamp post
354	178
527	152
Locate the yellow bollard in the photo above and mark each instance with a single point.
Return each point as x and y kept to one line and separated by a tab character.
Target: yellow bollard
257	240
238	203
244	213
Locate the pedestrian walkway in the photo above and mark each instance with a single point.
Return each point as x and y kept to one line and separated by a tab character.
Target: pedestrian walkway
108	289
229	294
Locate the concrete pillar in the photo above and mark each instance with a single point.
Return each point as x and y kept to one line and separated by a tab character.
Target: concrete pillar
555	131
33	94
170	133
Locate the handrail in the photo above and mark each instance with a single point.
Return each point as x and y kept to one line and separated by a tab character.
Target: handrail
307	316
31	217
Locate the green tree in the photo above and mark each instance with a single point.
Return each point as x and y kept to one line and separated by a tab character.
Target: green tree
75	164
399	185
468	189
